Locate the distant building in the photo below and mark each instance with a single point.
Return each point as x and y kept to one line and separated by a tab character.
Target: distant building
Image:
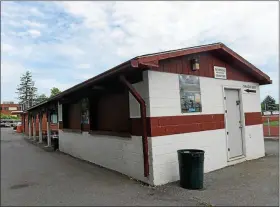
7	107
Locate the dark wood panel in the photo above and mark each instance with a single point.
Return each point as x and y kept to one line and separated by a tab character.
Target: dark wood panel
182	65
113	112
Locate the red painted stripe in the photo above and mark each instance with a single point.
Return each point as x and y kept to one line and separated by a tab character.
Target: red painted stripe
167	125
253	118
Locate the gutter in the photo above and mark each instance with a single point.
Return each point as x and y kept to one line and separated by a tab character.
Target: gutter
141	101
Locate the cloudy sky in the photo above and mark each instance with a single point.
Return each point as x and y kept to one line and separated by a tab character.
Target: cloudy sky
64	43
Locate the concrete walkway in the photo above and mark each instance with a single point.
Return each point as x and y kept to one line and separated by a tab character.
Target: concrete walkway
32	176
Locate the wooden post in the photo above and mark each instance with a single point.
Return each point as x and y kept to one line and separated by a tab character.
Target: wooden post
40	128
34	128
48	129
29	126
268	125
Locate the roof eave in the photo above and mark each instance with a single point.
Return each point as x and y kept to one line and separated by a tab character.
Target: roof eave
130	63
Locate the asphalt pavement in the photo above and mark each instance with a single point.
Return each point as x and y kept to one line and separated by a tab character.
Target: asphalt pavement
32	176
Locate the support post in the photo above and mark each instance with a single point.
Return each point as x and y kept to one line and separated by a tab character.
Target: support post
268	126
40	129
29	127
34	128
48	129
142	104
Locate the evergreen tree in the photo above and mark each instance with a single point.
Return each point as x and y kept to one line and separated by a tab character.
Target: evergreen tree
269	104
26	90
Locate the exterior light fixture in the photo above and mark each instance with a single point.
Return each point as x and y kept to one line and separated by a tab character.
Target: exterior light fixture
195	63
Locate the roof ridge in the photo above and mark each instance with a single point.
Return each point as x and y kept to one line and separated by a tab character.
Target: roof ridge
180	49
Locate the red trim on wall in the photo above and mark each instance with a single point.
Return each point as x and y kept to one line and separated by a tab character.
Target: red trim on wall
167	125
253	118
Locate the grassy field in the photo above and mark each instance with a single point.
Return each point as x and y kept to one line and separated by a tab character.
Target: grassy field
272	123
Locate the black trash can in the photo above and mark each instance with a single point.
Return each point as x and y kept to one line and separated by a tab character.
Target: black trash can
191	168
55	143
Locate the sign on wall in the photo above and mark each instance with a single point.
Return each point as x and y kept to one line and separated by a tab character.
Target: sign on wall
249	89
220	72
12	108
190	93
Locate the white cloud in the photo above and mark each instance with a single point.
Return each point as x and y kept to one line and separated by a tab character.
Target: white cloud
44	85
35	11
33	24
10	74
142	27
7	48
83	66
34	33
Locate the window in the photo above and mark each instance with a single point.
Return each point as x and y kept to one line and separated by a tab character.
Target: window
54	118
0	108
190	94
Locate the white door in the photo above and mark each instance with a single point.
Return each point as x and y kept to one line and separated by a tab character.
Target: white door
233	123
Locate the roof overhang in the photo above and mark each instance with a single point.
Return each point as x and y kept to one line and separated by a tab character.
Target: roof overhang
118	70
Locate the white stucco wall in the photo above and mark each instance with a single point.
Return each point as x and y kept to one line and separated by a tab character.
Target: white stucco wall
143	89
120	154
164	95
164	100
165	160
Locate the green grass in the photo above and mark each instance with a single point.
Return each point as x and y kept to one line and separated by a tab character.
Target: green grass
272	123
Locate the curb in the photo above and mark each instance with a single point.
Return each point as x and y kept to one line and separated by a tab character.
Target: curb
271	139
41	145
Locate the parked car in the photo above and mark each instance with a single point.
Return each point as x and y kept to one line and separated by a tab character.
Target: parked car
2	124
8	123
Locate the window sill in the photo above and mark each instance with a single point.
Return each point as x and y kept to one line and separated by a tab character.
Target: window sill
109	133
72	130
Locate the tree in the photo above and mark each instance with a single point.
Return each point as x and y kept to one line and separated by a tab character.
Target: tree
26	90
54	91
41	98
269	104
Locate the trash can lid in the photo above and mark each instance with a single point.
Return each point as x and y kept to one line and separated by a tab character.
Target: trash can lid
191	151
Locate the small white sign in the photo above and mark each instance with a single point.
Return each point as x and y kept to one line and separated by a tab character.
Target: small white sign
249	89
12	108
266	113
220	72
